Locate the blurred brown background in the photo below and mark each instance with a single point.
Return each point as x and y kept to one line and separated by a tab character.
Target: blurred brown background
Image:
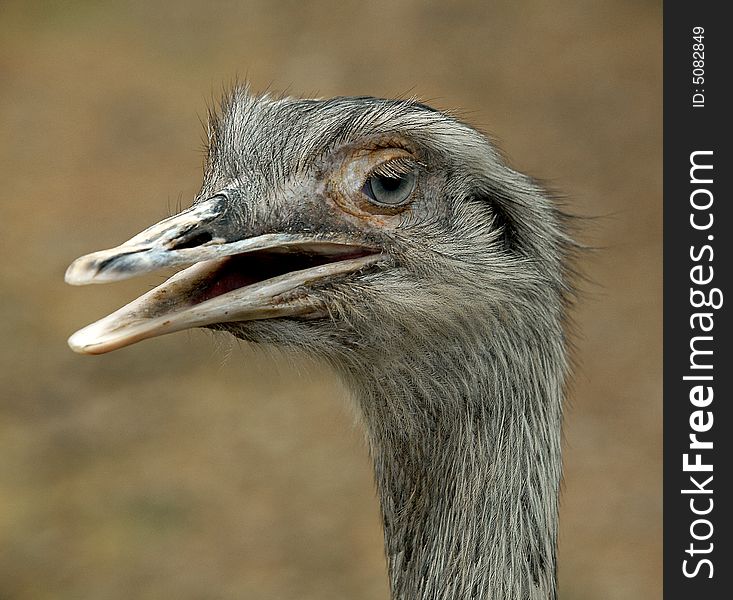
191	467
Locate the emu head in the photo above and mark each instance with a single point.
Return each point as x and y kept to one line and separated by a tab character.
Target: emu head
347	226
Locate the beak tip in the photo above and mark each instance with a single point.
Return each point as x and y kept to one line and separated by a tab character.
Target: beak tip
79	342
74	344
80	272
95	338
71	277
92	269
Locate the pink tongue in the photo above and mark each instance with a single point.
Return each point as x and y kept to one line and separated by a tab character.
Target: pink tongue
224	283
241	270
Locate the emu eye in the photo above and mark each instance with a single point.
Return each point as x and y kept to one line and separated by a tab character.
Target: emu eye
390	191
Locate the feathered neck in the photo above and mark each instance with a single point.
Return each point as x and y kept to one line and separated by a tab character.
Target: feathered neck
465	440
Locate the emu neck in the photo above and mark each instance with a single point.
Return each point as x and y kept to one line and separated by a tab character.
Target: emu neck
467	464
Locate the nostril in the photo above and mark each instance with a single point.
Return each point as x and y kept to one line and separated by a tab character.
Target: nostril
197	239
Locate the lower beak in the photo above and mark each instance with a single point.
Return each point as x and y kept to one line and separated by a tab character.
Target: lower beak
261	277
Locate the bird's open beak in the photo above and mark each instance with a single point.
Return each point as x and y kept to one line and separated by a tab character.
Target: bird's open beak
259	277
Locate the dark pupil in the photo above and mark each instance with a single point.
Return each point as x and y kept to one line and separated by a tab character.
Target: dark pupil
390	184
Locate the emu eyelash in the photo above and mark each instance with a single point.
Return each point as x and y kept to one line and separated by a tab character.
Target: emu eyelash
394	168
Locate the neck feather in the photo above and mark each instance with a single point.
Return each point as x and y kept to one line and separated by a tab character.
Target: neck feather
466	448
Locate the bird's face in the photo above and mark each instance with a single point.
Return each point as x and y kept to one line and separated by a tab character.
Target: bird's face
320	223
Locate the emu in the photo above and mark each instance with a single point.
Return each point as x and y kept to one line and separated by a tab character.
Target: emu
392	241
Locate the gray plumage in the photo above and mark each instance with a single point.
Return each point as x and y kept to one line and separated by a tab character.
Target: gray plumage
453	346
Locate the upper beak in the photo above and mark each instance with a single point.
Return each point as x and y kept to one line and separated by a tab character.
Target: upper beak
240	280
